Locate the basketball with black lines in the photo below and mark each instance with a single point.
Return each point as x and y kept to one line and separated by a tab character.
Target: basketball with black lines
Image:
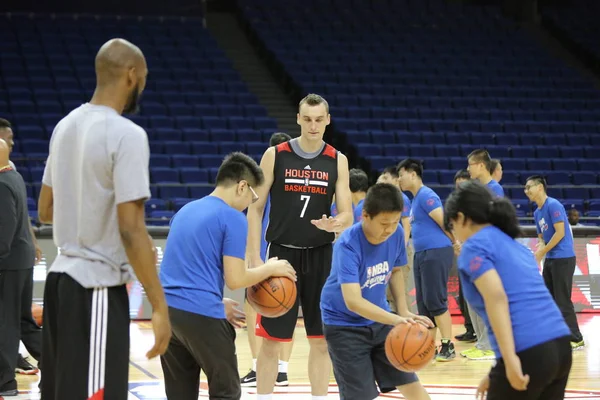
410	347
273	297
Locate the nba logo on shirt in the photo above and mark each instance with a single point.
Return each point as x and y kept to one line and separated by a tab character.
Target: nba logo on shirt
543	225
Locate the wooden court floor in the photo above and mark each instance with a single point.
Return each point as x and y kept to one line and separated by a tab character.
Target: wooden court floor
451	380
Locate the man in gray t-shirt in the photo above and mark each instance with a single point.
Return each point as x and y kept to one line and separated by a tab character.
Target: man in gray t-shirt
93	191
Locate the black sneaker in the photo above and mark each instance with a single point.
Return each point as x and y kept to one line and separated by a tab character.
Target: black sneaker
468	337
282	379
447	352
24	367
9	389
249	380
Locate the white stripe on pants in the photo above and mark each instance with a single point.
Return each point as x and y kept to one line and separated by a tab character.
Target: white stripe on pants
97	361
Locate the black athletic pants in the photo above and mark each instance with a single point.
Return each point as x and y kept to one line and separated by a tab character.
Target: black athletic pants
16	287
200	343
464	309
85	341
31	333
558	276
548	366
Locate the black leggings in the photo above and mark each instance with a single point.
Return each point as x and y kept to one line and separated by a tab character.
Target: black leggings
548	366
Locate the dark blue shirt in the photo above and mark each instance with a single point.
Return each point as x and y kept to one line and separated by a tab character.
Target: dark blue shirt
201	234
551	212
426	233
355	260
535	316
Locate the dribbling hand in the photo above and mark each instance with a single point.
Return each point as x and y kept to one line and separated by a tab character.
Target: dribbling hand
162	333
402	320
328	224
281	268
421	319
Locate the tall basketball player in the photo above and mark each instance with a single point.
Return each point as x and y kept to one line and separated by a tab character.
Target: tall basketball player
94	188
301	177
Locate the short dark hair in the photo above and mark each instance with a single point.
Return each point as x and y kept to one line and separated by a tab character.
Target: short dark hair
278	138
477	203
312	100
359	181
462	174
411	165
392	170
382	198
494	165
482	155
238	166
5	124
538	179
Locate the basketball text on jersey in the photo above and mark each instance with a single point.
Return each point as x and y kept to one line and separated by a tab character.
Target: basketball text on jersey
377	275
306	180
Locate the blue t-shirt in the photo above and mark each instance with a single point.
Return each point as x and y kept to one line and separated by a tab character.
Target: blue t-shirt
406	209
355	260
358	211
495	188
426	233
265	224
201	234
551	212
333	210
535	316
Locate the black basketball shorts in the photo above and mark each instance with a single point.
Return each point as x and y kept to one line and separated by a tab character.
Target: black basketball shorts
312	269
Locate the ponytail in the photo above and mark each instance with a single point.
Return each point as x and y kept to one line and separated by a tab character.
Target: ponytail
480	205
503	216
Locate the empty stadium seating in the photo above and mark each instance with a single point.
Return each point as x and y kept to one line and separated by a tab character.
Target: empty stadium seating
433	80
195	107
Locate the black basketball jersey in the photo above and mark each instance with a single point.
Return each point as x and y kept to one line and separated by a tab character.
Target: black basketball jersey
302	190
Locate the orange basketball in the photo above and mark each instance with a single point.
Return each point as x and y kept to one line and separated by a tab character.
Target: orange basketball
37	312
410	347
272	297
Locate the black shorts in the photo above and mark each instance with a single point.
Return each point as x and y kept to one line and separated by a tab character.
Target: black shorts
548	366
200	343
431	269
312	269
74	317
359	361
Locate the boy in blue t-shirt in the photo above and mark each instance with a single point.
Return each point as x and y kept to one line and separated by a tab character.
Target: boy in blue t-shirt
501	282
205	250
355	312
556	246
434	253
480	168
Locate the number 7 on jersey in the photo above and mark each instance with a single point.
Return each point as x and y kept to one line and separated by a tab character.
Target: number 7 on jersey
305	199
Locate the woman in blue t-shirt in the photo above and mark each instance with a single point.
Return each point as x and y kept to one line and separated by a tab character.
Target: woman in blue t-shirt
501	281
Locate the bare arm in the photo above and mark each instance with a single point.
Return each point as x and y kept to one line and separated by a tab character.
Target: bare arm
140	252
363	307
559	234
407	227
343	196
398	290
438	216
46	205
256	210
491	289
237	276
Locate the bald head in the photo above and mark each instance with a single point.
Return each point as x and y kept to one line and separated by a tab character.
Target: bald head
120	74
117	58
4	151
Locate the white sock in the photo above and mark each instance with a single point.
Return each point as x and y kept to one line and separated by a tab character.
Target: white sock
319	398
283	367
263	396
254	364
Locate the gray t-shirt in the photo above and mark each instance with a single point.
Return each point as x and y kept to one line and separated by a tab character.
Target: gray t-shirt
98	159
